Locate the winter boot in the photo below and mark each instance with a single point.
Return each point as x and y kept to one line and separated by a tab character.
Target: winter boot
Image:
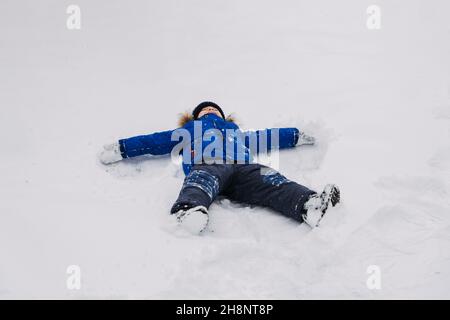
317	205
193	219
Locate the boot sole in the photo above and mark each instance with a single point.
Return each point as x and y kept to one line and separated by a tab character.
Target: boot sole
334	196
194	221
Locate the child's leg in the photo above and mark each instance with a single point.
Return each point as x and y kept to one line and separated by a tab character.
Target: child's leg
202	185
268	188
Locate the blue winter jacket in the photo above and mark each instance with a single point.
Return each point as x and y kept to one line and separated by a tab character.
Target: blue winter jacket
206	131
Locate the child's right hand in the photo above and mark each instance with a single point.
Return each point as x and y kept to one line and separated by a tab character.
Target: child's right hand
110	153
305	139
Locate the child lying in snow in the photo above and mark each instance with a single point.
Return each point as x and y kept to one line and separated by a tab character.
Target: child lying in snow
235	176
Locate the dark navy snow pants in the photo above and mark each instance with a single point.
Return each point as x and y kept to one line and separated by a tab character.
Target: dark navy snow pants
251	184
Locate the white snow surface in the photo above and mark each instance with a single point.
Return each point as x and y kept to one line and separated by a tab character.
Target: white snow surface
377	101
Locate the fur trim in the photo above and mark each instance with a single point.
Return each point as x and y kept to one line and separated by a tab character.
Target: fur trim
231	118
186	117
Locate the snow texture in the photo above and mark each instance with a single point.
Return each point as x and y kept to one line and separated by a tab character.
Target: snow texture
377	101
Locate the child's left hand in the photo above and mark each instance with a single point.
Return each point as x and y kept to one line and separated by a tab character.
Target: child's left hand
304	139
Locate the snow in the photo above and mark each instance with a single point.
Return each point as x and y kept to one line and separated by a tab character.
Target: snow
378	102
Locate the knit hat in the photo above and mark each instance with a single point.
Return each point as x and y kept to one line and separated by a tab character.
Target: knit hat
205	104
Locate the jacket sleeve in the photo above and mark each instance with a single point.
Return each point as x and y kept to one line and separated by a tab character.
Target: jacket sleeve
158	143
287	138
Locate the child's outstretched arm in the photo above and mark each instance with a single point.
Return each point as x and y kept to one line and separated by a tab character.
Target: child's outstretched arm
158	143
287	137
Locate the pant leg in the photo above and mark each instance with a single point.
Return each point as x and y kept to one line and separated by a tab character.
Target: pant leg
202	185
256	184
